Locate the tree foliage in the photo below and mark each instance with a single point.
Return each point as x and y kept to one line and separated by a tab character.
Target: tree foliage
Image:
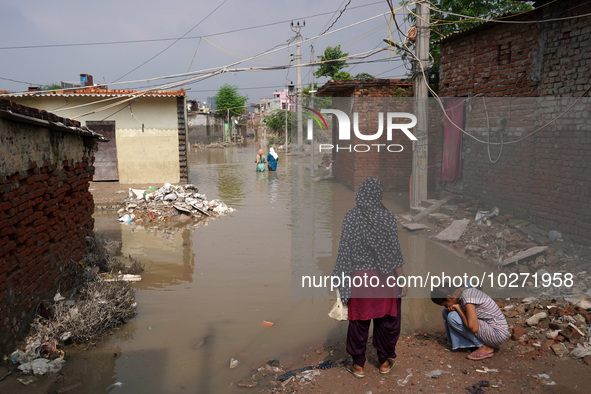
331	68
228	98
276	119
51	86
364	76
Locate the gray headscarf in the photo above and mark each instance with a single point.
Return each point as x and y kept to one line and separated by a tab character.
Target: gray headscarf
369	237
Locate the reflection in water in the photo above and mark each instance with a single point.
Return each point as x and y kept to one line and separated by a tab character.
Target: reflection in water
230	185
205	292
273	186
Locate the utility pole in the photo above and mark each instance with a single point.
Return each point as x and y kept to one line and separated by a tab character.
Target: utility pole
312	59
420	148
297	28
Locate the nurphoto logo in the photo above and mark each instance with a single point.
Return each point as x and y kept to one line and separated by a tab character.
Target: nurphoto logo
344	127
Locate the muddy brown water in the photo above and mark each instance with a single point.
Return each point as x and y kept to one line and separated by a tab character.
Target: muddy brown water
206	292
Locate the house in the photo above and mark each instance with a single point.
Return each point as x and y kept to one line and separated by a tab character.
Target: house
389	160
146	129
526	86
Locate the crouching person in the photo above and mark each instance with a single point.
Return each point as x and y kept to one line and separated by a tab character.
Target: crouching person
472	320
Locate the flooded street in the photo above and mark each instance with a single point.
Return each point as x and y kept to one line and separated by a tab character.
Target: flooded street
206	293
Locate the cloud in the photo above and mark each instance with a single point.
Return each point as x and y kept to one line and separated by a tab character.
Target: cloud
37	22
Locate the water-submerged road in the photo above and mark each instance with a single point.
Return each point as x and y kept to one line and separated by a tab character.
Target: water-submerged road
206	293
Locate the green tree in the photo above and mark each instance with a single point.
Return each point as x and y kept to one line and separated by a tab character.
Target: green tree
51	86
364	76
276	119
228	99
333	66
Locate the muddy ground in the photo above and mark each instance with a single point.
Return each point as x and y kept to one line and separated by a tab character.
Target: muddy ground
513	369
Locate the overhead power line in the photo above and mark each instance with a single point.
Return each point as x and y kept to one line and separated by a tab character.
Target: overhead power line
177	40
97	43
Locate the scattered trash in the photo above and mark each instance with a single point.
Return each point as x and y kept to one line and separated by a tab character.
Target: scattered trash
435	374
483	216
486	370
293	373
404	382
58	297
233	363
41	366
477	388
554	236
309	375
267	323
121	278
126	218
545	379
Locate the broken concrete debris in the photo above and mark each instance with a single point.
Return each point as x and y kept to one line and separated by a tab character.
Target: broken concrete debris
454	231
169	202
561	327
514	246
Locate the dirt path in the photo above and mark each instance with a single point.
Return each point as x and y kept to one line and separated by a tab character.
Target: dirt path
513	369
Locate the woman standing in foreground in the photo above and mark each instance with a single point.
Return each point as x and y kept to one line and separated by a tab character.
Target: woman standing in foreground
369	247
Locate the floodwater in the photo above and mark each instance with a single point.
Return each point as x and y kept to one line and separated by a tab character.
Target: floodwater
206	292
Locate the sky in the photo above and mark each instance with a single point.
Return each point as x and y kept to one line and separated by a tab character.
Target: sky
124	43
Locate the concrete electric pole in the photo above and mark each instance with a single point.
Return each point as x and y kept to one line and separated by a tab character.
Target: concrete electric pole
296	27
420	151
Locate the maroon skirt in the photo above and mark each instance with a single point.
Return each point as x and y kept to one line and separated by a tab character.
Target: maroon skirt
375	298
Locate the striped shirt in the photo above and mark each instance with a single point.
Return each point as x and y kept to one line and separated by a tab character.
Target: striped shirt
492	325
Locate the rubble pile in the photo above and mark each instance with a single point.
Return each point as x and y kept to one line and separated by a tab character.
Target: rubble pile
169	203
97	303
511	244
562	327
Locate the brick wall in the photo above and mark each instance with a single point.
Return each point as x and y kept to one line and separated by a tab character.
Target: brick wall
545	177
182	116
45	211
534	59
368	99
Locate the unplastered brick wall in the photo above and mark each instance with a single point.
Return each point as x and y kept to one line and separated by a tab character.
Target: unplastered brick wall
45	212
506	59
545	177
352	165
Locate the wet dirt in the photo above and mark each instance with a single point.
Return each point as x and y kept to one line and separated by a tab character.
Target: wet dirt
424	364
